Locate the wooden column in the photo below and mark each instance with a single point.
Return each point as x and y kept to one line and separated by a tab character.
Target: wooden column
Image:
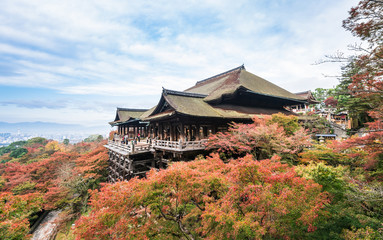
174	127
160	131
198	132
182	132
171	132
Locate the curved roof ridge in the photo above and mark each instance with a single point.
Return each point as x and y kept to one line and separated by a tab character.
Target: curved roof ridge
304	92
220	74
184	94
132	109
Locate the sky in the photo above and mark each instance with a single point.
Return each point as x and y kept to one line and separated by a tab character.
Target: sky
76	61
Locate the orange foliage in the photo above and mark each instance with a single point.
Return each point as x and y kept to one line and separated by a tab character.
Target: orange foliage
90	165
263	138
48	181
244	199
14	213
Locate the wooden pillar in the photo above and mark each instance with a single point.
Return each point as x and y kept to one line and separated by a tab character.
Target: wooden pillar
160	131
186	132
192	132
155	132
174	127
198	132
182	132
171	132
189	132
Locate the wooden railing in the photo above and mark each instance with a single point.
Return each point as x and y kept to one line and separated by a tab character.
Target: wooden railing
179	145
140	147
129	148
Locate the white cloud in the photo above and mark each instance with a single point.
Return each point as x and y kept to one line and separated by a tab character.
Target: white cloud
120	48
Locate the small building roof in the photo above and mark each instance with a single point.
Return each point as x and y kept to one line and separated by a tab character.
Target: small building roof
308	96
127	114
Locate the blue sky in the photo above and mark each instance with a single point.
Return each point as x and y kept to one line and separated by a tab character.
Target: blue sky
76	61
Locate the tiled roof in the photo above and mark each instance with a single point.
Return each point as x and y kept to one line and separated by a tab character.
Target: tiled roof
229	82
205	99
196	106
126	114
308	96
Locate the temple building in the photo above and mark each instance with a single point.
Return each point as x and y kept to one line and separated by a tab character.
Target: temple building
179	125
129	123
307	106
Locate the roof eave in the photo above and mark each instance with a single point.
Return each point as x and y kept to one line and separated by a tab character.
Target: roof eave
298	101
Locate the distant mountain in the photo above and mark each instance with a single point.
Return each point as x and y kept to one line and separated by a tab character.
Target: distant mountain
51	128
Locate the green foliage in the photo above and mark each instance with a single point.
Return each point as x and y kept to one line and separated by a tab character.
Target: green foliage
18	152
356	204
2	182
18	149
331	154
366	233
13	146
94	138
24	188
331	178
356	107
288	123
36	140
368	197
316	124
321	94
66	141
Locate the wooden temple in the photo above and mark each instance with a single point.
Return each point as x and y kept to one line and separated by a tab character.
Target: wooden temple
307	105
179	125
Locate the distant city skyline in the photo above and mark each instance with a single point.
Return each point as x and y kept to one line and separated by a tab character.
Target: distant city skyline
55	131
75	61
48	128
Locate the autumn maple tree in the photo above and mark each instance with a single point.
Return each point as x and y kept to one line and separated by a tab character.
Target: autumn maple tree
206	198
49	175
364	74
266	136
363	79
14	213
